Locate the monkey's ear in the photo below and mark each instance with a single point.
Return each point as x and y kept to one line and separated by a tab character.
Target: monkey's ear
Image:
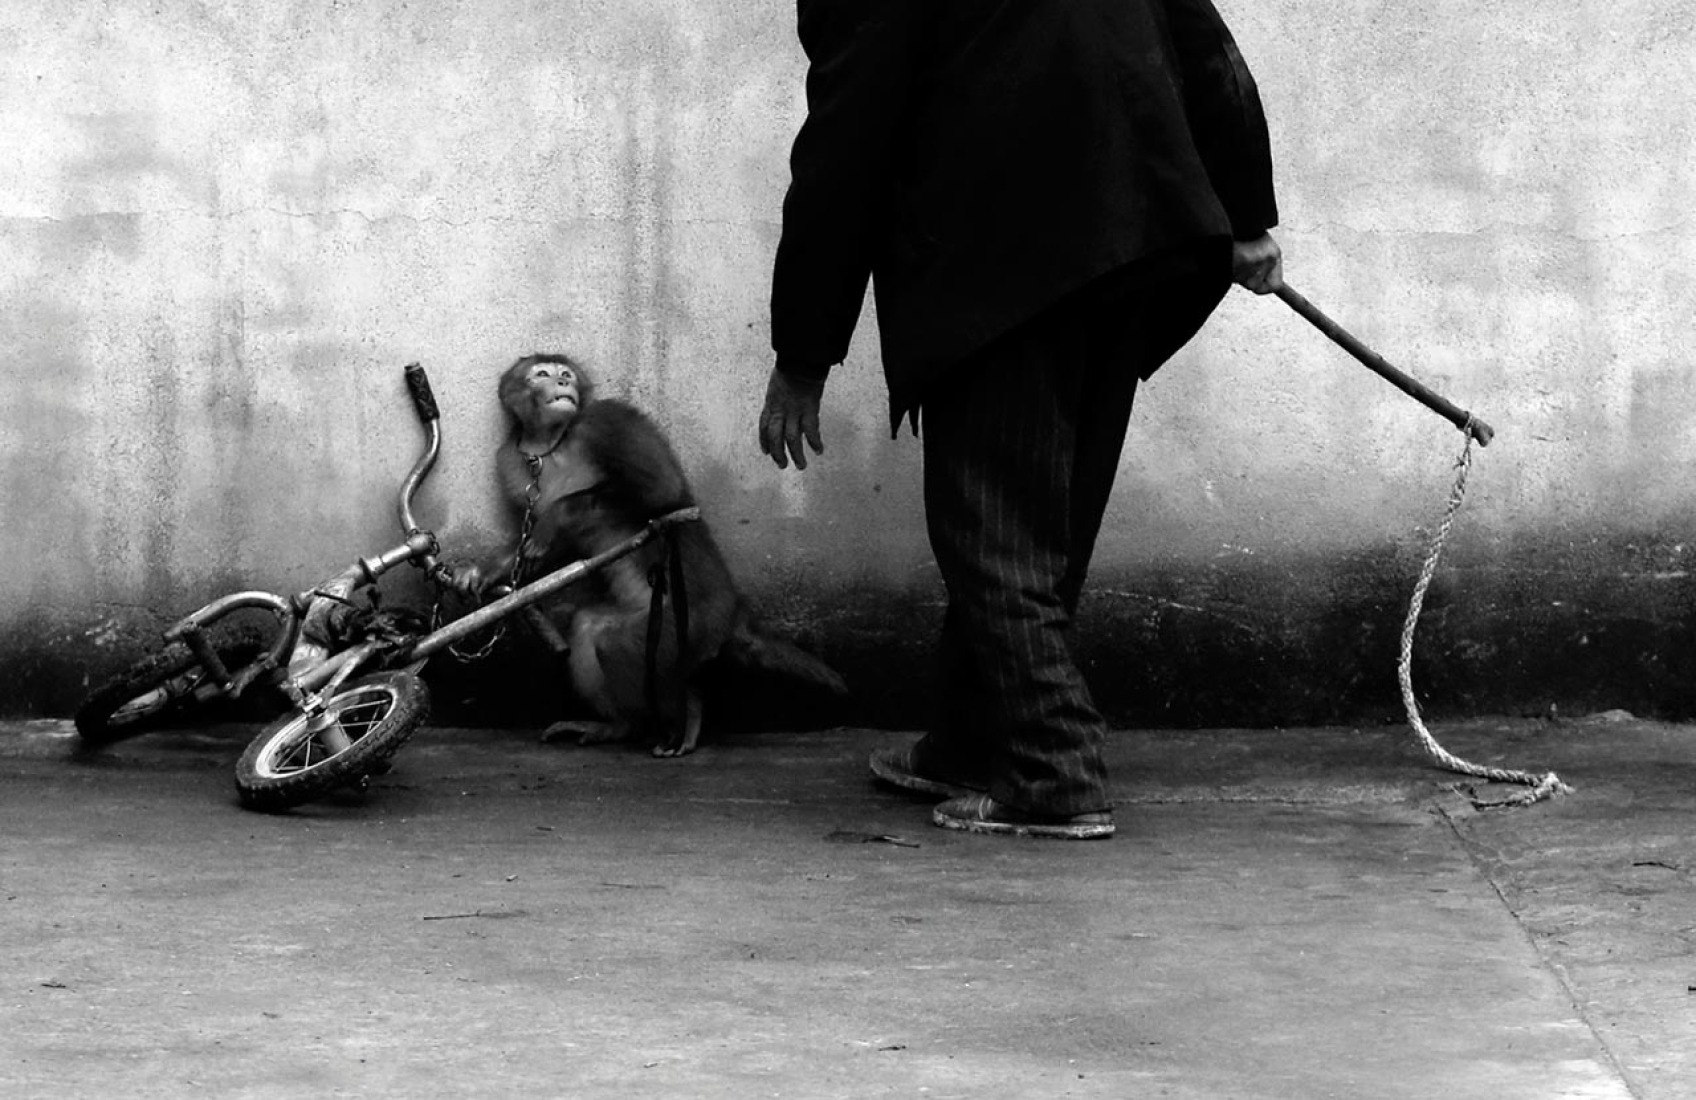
513	387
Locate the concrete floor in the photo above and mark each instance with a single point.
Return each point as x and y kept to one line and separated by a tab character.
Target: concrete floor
1290	914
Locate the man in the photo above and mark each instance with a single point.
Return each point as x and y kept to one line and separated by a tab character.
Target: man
1050	197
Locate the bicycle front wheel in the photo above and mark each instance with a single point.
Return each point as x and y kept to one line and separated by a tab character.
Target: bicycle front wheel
297	760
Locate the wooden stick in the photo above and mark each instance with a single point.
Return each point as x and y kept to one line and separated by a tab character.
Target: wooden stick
1415	389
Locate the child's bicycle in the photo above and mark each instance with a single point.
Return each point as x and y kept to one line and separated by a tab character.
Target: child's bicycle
348	672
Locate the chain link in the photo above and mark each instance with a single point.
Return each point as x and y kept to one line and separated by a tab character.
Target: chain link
532	496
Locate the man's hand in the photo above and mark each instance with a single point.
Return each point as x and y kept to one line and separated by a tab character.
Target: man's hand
1258	265
791	415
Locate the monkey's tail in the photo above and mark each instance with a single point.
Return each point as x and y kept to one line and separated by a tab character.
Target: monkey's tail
749	647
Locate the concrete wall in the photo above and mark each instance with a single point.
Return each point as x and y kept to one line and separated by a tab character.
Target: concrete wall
224	228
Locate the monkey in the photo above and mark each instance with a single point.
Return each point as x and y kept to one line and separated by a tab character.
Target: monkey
586	473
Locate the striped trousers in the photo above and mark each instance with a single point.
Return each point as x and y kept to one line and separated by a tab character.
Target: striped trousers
1021	447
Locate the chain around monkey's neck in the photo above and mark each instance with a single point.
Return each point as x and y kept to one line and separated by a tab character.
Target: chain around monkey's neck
531	458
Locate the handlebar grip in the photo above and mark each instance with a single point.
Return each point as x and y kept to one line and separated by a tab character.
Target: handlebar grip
422	398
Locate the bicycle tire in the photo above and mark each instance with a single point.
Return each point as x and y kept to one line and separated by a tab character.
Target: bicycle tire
377	713
142	697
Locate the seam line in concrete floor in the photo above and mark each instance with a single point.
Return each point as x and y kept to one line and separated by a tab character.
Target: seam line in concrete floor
1555	970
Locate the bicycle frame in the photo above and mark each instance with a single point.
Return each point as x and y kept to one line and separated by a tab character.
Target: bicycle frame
305	661
542	587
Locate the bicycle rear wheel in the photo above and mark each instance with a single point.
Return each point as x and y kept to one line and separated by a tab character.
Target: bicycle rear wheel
295	760
150	692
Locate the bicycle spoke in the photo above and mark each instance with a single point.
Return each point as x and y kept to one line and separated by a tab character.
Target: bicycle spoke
295	757
356	716
341	741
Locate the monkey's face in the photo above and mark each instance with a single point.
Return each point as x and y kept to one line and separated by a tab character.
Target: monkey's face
554	392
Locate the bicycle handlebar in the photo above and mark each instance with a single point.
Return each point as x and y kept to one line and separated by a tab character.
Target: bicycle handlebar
423	399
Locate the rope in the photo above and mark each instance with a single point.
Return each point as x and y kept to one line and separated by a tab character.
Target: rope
1541	786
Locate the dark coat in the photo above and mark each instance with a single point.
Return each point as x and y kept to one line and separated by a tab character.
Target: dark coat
981	159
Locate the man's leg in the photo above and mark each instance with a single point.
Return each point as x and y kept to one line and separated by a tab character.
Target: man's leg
1104	413
1019	457
956	749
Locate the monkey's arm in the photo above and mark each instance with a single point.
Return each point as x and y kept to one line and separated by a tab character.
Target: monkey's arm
640	476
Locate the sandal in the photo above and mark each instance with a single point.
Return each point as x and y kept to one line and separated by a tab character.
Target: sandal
980	813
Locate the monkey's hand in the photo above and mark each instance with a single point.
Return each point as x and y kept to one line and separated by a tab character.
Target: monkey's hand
465	579
547	532
1258	265
791	415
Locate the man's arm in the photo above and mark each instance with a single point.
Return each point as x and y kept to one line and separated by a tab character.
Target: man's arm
862	55
790	415
1226	117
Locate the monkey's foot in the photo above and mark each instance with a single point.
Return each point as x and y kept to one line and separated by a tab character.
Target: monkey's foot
684	749
584	733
